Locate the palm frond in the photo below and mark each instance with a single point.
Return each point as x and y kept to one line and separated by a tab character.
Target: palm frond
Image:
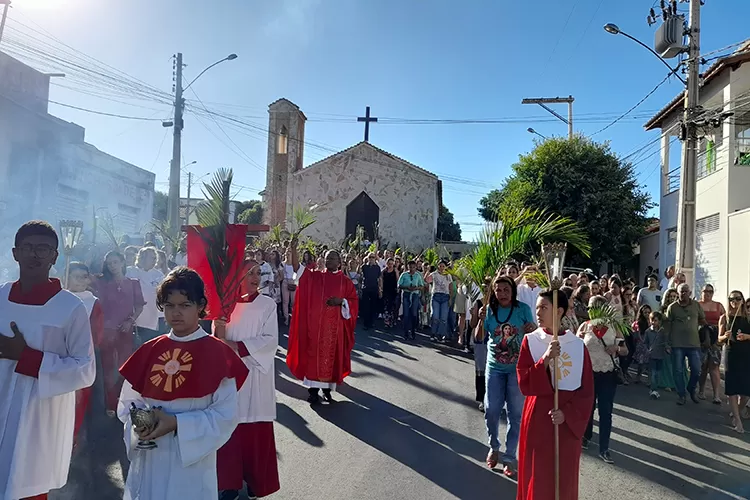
607	315
276	235
107	225
302	218
431	256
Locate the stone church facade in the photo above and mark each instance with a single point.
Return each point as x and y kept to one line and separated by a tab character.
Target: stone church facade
359	186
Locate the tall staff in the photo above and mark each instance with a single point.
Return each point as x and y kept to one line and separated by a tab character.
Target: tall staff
554	257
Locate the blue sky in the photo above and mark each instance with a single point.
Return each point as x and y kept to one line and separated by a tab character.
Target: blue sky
414	59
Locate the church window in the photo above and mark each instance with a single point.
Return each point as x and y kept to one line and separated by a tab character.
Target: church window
282	141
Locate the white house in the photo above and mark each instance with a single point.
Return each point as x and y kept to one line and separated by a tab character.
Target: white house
723	185
48	171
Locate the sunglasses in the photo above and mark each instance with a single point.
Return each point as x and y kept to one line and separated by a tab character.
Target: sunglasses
735	299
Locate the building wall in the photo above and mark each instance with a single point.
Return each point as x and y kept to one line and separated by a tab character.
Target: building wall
738	272
405	195
648	254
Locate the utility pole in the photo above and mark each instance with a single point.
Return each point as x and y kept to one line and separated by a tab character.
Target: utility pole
543	101
5	17
173	214
688	174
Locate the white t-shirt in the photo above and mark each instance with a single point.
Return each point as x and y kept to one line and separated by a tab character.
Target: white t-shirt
651	298
528	295
288	272
149	280
441	283
664	285
266	279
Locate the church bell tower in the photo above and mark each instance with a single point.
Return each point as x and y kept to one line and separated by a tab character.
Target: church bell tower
286	136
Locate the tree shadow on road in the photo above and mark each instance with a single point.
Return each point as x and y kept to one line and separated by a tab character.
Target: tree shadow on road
298	425
428	449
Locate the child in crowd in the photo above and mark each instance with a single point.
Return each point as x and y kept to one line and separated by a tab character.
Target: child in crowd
655	341
640	325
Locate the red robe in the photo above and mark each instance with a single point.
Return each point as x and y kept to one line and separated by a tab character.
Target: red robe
536	454
320	339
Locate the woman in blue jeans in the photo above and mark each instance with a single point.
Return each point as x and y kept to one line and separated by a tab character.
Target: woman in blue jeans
441	296
506	321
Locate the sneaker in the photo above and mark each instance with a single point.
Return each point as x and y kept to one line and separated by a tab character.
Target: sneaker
694	398
701	396
585	444
681	400
656	393
229	495
481	407
606	457
653	395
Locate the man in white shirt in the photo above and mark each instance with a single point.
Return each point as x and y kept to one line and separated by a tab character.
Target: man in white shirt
266	273
149	277
528	291
650	296
668	274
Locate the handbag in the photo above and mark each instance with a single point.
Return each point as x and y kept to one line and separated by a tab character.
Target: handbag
619	376
291	287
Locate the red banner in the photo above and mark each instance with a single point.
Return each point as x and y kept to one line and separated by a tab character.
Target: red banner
220	305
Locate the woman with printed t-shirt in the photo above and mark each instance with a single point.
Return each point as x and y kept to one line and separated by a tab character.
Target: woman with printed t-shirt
506	321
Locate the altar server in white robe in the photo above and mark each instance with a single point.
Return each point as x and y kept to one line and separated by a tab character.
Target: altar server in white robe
190	381
46	355
250	455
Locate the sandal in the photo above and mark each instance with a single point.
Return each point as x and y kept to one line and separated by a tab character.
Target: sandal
508	471
717	401
492	457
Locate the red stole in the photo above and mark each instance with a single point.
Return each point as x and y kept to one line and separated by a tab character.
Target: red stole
165	369
320	339
37	296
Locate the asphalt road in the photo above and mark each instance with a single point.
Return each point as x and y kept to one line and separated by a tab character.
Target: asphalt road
406	427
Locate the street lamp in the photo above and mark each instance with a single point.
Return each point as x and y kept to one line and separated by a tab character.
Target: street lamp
71	232
532	131
230	57
613	29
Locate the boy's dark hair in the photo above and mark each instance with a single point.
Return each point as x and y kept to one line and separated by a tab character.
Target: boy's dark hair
562	298
78	266
567	290
36	228
185	281
654	277
411	262
657	315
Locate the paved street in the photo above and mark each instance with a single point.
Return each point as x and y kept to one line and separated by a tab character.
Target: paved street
406	426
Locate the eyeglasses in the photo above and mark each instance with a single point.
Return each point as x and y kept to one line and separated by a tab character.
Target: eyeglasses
42	251
735	299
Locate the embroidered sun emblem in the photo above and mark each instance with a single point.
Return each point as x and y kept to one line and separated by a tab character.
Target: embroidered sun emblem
564	363
172	369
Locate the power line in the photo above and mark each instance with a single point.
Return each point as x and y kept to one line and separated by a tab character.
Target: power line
626	113
103	113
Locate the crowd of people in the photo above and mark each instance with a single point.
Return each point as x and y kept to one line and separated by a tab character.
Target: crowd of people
197	400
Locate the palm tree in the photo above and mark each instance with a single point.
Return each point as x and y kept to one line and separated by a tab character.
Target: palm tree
513	235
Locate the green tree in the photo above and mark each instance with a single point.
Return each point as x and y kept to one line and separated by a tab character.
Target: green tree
585	182
252	212
447	228
160	206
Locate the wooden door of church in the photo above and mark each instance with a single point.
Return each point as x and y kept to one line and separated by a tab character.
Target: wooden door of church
362	211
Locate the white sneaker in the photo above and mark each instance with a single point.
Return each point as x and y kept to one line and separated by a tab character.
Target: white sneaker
653	395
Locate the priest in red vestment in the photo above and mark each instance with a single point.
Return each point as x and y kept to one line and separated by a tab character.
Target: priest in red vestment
321	334
536	455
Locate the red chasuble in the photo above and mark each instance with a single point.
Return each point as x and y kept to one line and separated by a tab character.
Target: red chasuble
536	454
320	339
165	370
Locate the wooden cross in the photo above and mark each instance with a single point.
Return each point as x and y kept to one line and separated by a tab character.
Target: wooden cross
367	119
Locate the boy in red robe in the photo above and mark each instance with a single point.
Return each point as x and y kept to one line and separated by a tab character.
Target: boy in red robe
321	336
536	362
79	280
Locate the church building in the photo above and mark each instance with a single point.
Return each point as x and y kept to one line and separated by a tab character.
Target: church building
363	185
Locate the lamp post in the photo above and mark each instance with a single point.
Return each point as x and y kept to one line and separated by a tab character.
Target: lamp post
554	258
532	131
613	29
71	232
5	16
173	211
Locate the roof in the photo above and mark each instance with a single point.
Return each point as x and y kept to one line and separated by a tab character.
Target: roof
739	57
284	100
377	149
